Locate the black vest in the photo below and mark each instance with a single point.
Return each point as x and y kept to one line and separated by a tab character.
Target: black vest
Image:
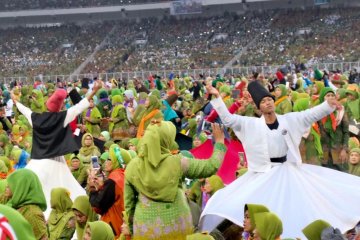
50	138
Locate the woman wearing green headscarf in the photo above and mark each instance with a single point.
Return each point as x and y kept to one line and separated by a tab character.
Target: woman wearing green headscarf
83	213
98	230
138	113
341	96
88	149
27	197
199	139
354	162
334	130
5	145
18	227
61	221
37	103
213	184
353	102
142	98
133	144
104	106
18	134
7	162
107	196
152	111
225	92
282	103
92	118
131	86
315	93
22	121
115	92
79	170
156	93
249	220
22	137
3	175
154	199
105	136
24	98
313	230
190	129
268	226
140	108
310	145
195	193
119	123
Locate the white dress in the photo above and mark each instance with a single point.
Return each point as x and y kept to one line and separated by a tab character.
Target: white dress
54	172
297	193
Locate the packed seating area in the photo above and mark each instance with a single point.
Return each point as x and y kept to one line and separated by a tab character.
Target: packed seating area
270	38
48	50
10	5
333	37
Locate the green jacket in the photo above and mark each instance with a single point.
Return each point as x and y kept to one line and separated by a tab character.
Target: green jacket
338	138
93	126
34	215
284	107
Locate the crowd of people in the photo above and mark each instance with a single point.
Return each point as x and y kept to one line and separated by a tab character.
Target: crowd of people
261	38
17	5
144	161
48	50
303	36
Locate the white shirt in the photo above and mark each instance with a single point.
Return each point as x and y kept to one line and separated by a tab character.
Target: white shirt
71	114
257	138
276	143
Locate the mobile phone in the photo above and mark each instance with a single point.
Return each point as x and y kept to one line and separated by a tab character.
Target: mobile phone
242	158
235	93
206	127
95	162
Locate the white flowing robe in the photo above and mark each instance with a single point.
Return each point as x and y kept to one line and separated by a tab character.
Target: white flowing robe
298	193
54	172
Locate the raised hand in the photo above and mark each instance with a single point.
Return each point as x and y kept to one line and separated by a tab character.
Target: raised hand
218	132
97	86
13	97
211	90
334	103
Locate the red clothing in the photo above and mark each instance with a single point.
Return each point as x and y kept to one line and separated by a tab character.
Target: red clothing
73	125
279	75
114	215
231	159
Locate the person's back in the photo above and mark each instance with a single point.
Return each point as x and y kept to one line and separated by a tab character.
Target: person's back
27	197
18	227
52	139
155	178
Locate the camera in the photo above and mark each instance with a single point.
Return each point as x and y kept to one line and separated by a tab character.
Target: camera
95	162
